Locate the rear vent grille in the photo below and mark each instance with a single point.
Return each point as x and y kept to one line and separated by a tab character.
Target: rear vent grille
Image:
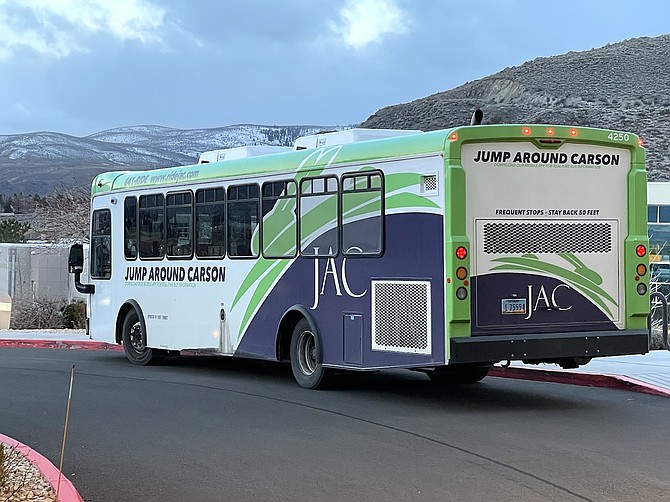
547	238
401	316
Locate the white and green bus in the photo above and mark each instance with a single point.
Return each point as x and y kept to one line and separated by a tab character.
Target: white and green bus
443	252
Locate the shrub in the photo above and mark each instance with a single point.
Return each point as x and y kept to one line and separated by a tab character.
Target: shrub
48	314
74	315
37	314
3	466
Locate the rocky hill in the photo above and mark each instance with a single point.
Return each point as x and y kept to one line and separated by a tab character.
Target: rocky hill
622	86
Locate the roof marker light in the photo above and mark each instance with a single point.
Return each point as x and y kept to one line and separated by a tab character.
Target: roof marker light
550	131
453	136
526	131
640	142
574	132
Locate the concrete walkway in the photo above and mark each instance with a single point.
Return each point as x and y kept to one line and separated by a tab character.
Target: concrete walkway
649	373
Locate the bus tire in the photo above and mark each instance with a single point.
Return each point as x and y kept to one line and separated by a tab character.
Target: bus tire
306	358
458	375
135	341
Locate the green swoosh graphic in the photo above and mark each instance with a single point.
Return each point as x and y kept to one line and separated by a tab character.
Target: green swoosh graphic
264	285
266	272
532	263
325	155
582	269
408	201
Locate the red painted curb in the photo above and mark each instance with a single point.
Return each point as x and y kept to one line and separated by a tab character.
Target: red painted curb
67	491
61	344
579	378
534	374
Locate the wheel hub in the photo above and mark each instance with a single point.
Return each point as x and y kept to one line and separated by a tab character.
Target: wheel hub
136	337
307	353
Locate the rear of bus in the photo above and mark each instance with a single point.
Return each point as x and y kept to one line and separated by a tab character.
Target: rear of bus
547	244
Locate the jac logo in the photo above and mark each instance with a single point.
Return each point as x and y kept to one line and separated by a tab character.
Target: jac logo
337	277
543	300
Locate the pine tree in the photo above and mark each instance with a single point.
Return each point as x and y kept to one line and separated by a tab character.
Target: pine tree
13	231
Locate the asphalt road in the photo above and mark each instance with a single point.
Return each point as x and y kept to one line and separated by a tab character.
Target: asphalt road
214	429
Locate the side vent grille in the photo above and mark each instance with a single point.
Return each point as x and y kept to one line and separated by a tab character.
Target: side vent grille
429	184
401	316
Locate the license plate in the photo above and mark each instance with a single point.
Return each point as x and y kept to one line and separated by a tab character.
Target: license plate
513	306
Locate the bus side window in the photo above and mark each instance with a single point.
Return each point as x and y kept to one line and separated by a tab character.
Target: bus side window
152	234
362	214
279	227
130	228
210	223
101	244
242	218
179	225
318	205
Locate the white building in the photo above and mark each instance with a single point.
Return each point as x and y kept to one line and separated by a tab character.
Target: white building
36	271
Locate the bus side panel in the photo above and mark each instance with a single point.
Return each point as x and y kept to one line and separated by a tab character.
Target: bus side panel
339	294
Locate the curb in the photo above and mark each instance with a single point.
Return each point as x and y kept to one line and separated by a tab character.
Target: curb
579	378
61	344
619	382
67	492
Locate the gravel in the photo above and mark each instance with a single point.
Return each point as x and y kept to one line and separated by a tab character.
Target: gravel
24	482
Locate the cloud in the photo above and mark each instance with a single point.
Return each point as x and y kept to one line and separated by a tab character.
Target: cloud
364	22
58	28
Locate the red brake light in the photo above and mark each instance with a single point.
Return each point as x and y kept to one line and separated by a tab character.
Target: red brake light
640	250
461	252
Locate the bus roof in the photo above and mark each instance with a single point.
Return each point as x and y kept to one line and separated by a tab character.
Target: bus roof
387	148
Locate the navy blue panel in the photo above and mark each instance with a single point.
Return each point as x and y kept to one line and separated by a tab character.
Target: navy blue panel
414	250
551	306
353	339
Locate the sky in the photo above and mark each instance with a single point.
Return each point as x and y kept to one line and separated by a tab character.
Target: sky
83	66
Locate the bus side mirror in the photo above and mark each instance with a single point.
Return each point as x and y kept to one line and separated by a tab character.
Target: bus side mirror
75	265
75	261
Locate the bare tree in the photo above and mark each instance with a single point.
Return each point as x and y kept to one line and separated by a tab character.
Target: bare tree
64	215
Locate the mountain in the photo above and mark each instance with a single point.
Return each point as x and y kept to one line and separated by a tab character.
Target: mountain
622	86
39	163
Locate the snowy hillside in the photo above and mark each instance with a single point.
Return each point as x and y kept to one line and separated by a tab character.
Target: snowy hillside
44	161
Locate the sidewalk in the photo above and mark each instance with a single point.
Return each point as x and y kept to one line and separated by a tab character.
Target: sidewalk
649	373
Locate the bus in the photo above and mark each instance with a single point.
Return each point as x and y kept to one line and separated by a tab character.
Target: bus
443	252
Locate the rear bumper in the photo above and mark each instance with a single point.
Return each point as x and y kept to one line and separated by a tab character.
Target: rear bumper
547	347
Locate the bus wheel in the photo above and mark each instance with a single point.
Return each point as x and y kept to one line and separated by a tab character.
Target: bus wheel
135	341
306	358
456	375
